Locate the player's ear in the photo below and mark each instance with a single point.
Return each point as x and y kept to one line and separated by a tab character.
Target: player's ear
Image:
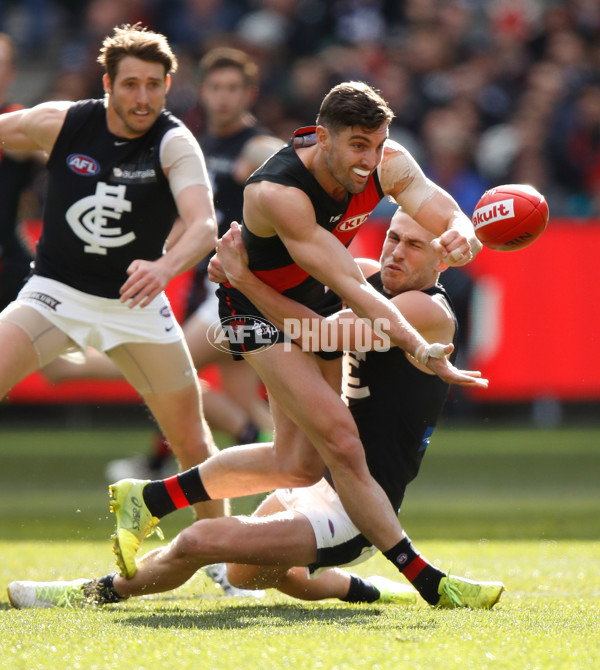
323	138
441	266
168	82
106	83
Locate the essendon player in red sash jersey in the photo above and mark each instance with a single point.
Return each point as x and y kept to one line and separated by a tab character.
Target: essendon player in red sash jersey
301	209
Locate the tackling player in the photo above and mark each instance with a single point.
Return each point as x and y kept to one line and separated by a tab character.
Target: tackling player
395	402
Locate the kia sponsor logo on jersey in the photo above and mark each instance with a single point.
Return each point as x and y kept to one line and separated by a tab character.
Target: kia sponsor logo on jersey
351	224
496	211
83	165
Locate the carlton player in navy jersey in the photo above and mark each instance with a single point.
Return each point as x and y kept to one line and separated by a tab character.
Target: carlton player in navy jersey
16	174
296	534
120	171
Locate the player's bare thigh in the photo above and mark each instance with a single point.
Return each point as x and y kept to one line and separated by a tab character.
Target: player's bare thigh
29	341
298	533
164	376
154	368
202	351
305	397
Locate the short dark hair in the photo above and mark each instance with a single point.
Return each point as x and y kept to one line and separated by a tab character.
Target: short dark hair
354	103
225	57
139	42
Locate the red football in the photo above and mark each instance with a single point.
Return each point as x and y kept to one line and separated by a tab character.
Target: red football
510	217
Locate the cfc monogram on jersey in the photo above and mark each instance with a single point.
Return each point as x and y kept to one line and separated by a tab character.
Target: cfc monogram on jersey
89	218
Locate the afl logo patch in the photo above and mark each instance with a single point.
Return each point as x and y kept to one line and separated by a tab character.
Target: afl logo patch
83	165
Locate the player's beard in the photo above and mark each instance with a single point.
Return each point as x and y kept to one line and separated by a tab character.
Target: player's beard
134	124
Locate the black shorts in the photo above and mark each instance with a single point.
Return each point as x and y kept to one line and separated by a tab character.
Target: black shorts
248	330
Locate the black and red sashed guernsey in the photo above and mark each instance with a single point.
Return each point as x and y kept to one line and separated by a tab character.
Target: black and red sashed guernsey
268	257
108	202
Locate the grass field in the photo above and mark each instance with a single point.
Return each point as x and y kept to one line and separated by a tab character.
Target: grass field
522	506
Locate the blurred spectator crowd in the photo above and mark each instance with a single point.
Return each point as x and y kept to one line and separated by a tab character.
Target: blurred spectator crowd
485	92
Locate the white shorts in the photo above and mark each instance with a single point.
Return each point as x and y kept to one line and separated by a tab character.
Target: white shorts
101	323
339	542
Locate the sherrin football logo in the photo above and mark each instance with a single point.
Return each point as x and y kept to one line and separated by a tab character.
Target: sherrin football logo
83	165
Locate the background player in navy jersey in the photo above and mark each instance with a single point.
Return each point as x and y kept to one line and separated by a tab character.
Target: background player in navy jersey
16	172
233	146
395	402
300	210
121	170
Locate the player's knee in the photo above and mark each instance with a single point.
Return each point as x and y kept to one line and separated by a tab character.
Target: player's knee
205	541
302	469
192	445
210	539
342	449
188	543
298	467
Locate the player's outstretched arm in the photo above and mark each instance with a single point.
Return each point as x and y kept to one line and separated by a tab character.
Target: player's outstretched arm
279	310
431	206
33	129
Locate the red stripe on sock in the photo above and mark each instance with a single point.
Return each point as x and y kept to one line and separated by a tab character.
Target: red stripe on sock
175	491
412	570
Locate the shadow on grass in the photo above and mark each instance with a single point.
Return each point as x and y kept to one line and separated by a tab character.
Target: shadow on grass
257	616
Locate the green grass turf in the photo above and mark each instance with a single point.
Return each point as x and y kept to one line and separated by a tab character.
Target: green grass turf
547	620
516	505
474	484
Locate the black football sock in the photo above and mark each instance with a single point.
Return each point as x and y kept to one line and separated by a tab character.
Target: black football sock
166	495
361	591
102	591
419	572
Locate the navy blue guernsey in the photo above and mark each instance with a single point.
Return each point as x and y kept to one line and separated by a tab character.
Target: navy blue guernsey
396	407
268	256
221	155
108	202
15	175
